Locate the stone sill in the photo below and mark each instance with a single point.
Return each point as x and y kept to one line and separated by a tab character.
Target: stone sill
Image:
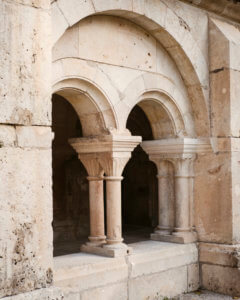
83	271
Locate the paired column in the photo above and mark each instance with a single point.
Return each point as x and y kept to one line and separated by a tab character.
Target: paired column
174	159
107	155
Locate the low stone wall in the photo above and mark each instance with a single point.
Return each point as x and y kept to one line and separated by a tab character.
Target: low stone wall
155	270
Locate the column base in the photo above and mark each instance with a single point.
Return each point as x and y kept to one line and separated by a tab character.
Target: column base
176	237
96	241
113	250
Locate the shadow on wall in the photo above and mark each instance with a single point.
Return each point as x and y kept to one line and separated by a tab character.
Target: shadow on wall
70	186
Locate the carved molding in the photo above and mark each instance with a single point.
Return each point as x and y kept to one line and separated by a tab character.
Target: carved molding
176	148
110	152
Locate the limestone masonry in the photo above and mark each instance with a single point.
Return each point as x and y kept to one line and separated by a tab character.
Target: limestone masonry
119	149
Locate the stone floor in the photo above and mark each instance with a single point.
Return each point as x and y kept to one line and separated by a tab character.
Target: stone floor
204	295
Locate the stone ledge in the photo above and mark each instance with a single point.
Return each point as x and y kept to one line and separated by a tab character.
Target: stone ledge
83	271
151	257
219	254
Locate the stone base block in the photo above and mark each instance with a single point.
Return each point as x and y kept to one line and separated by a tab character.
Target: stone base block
185	239
220	267
104	251
162	285
221	279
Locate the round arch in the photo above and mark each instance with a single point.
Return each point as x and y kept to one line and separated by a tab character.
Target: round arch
94	110
168	111
164	26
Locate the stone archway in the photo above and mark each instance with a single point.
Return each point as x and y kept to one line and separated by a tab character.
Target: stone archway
119	84
80	109
165	26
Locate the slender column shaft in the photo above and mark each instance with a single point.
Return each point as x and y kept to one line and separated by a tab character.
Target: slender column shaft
96	204
114	219
182	196
164	199
182	203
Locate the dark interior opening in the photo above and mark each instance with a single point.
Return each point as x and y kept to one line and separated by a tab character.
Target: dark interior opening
139	186
70	186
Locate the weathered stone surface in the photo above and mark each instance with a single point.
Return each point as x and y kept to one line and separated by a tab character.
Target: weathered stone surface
193	277
26	253
104	58
41	294
117	291
221	279
7	136
25	64
34	137
166	284
155	257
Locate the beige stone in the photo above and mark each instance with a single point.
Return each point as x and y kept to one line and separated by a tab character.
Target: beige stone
221	279
34	137
166	284
175	63
116	291
193	277
26	84
7	136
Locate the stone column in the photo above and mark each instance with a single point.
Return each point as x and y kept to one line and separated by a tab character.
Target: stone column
181	153
96	202
113	166
165	197
183	199
106	154
95	178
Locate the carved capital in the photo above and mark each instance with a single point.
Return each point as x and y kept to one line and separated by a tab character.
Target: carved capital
91	163
184	166
114	165
109	153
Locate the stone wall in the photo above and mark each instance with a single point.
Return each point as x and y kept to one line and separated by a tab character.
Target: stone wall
166	50
25	153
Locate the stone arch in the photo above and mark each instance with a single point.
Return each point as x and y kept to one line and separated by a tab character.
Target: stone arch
165	27
168	111
91	105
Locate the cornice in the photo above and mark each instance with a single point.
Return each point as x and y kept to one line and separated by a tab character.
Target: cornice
229	9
